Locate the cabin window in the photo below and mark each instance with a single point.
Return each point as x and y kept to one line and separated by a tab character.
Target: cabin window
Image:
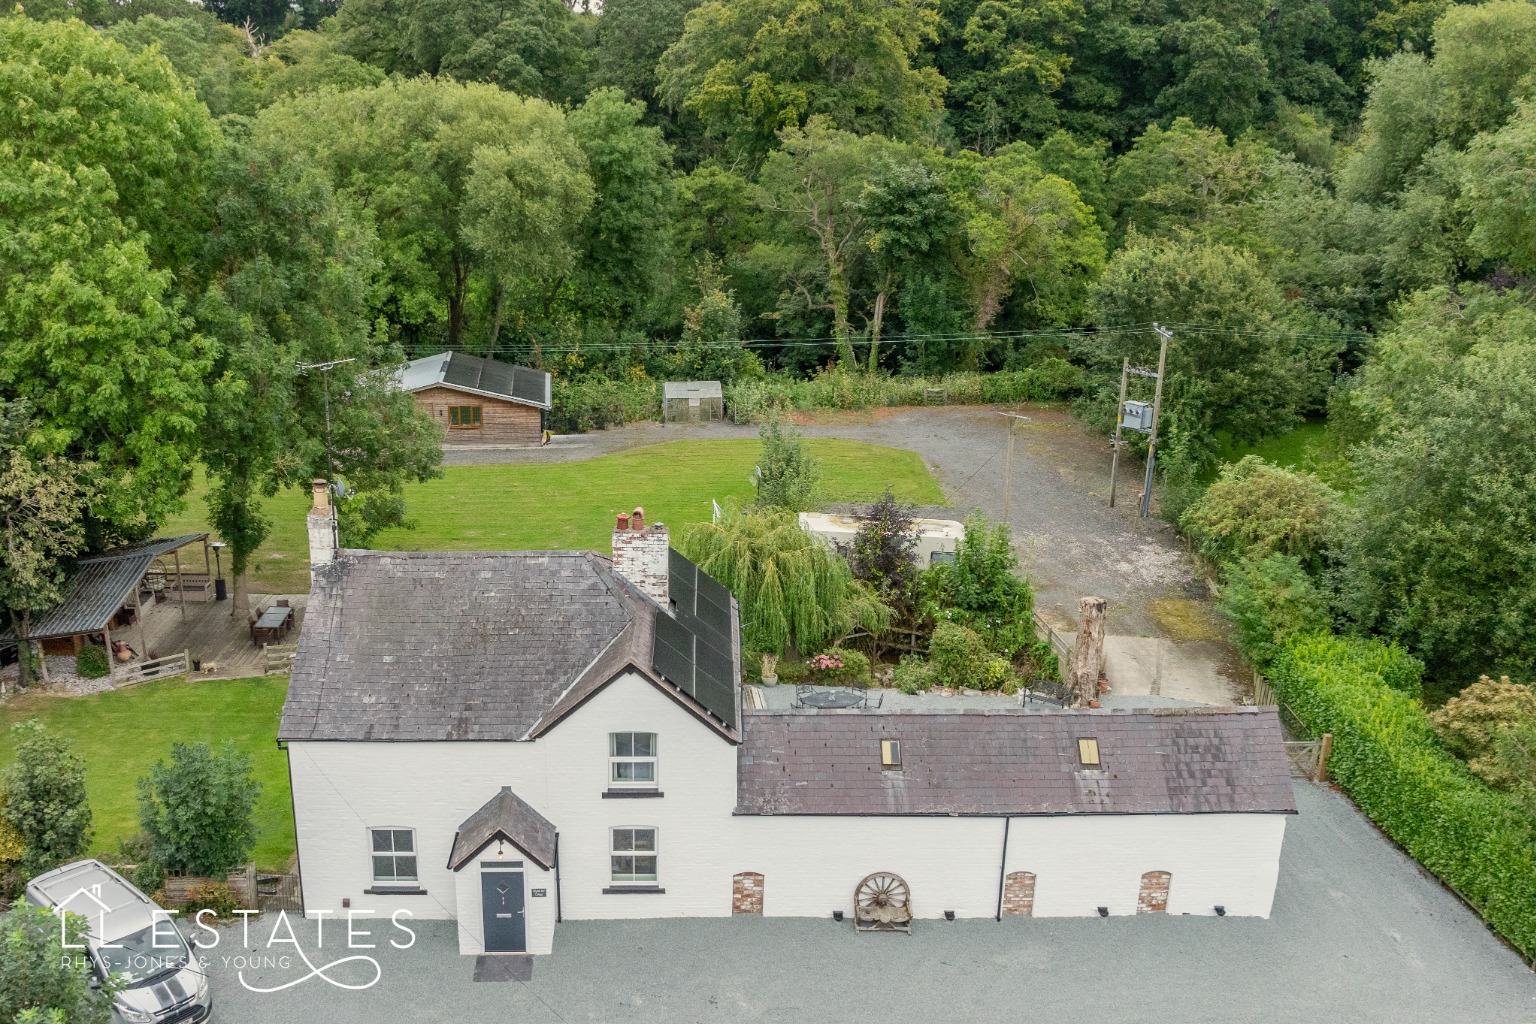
634	854
464	417
1088	752
632	759
394	854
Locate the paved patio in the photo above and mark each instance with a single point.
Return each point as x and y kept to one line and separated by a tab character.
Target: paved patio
1358	934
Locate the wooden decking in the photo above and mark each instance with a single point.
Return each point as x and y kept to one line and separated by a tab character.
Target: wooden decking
211	636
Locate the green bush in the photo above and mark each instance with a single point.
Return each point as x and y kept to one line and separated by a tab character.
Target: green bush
959	657
912	675
982	589
594	401
839	666
196	810
1256	509
92	662
1270	600
1386	755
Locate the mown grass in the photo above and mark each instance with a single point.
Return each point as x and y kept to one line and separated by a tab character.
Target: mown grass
572	505
122	733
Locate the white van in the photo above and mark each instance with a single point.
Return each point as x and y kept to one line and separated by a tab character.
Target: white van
162	980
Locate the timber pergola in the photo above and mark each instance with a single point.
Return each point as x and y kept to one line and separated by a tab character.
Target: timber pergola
102	586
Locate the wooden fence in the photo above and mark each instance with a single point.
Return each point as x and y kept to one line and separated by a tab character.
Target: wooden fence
1045	631
156	668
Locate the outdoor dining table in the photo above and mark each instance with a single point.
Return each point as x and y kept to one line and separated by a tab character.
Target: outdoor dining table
273	625
830	699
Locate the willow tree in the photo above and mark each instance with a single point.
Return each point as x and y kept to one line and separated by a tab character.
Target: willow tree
795	593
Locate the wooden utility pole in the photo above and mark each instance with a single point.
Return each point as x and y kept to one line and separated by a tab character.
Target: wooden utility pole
1088	655
1114	462
1008	473
1157	408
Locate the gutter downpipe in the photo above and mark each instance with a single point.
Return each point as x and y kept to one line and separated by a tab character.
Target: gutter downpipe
558	915
1002	869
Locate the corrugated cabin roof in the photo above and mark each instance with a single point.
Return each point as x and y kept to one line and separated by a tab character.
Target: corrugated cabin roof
99	585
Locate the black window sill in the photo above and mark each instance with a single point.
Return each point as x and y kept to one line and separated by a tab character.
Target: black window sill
620	890
631	794
395	890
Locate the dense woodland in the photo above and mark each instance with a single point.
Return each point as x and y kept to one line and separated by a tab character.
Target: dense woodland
1333	206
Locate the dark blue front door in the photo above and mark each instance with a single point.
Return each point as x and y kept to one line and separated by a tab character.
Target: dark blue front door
501	894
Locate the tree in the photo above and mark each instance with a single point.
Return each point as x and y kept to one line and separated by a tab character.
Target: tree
45	797
1256	509
1475	725
983	589
529	47
42	501
102	173
1498	187
445	170
786	473
1485	63
711	345
43	980
796	594
1436	548
196	810
632	35
1187	179
1397	127
1022	225
623	239
883	554
1270	601
750	69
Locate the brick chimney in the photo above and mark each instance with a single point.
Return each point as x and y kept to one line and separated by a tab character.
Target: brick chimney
322	528
640	553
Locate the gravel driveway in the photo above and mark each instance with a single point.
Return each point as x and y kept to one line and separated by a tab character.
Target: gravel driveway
1070	541
1358	934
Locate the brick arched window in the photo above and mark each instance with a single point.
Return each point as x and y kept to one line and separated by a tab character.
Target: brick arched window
1019	893
1153	898
747	892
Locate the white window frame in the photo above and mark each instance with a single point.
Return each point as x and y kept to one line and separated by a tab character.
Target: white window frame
621	878
615	760
373	852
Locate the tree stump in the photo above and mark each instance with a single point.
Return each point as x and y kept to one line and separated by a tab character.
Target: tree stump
1088	655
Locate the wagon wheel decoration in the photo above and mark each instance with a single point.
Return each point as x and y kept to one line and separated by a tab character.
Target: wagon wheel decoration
881	890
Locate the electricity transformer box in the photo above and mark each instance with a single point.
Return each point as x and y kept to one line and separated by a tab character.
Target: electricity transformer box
1137	416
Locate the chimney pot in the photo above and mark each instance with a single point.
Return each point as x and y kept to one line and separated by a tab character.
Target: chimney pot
637	519
641	555
623	521
322	495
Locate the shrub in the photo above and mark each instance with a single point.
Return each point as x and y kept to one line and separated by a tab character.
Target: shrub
982	589
594	401
1472	725
1256	509
786	473
912	675
1387	756
45	797
839	665
884	553
92	662
196	810
37	973
959	657
215	896
1269	601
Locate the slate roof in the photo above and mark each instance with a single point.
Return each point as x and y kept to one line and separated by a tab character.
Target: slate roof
99	585
1164	761
507	816
478	376
464	645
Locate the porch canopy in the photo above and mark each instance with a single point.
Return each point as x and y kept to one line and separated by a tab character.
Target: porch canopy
100	586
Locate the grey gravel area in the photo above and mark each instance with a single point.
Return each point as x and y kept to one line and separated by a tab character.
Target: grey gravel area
1357	934
1070	541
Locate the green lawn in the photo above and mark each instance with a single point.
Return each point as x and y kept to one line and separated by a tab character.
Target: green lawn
573	504
1311	447
121	734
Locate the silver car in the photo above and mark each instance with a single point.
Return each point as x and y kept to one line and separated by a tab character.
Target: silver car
162	980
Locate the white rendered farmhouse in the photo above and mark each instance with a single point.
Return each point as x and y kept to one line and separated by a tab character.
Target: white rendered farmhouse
510	739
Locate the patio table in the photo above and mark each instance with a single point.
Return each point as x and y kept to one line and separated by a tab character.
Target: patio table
273	625
829	699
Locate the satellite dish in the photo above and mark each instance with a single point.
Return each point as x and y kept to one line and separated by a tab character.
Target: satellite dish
341	490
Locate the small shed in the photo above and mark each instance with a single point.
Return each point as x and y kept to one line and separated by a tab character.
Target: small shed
692	401
479	401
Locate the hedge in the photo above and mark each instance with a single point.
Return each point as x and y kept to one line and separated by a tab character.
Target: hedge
1387	757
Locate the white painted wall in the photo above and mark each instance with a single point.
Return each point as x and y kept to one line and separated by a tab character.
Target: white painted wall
340	790
810	864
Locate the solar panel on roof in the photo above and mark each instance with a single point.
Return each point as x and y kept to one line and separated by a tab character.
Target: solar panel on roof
530	385
692	651
496	377
462	371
